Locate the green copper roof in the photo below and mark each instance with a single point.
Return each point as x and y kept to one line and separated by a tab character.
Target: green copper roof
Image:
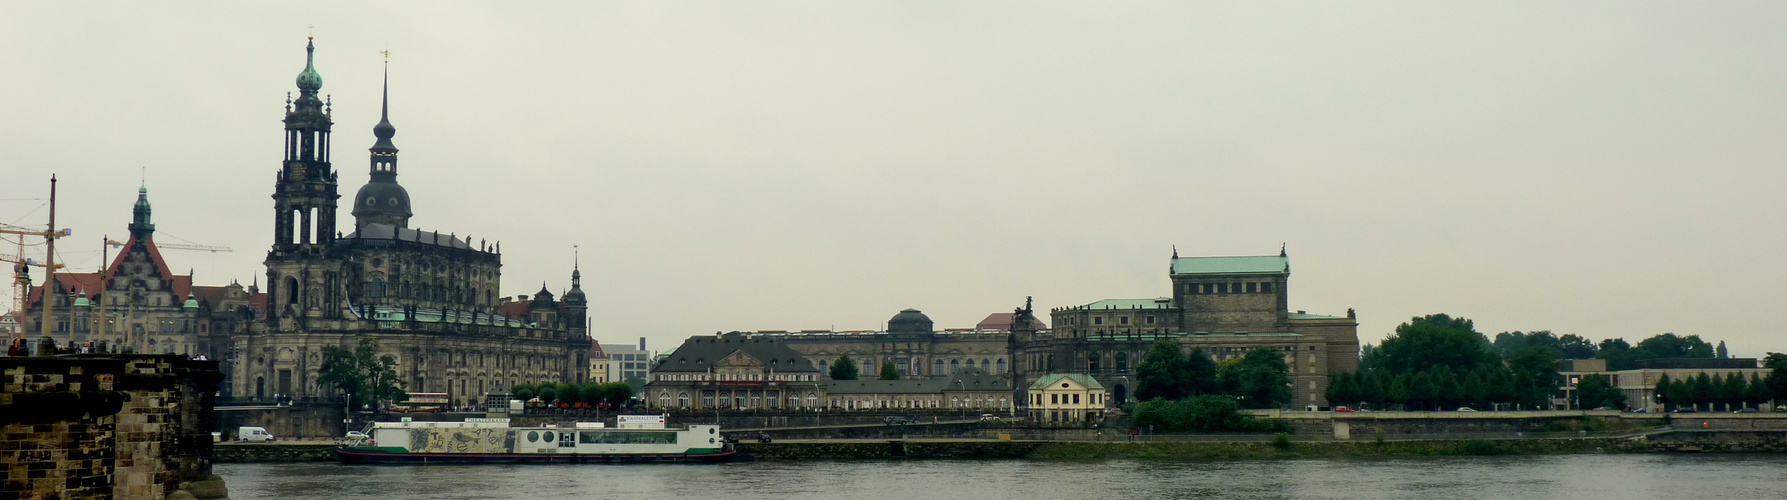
191	303
1154	303
1314	316
1052	378
309	80
1232	265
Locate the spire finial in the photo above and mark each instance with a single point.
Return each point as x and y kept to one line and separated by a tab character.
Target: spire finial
1281	247
1175	251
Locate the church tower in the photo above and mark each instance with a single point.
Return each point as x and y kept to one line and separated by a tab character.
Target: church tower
304	195
140	227
382	200
576	305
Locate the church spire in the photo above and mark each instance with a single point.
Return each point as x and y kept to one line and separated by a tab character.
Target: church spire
382	200
140	227
576	274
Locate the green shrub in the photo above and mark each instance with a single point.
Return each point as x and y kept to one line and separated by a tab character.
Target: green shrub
1282	441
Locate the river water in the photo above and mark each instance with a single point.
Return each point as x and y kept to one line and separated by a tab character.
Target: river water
1573	477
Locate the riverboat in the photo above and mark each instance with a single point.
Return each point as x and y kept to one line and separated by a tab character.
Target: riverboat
494	441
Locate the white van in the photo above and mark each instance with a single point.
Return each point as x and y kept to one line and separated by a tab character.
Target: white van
253	434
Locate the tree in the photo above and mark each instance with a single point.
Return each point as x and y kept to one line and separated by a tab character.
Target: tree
1703	391
889	371
635	381
1260	378
1670	345
570	393
1535	373
366	377
1169	373
1596	392
1757	393
522	392
1721	352
547	392
1663	391
1434	340
844	368
616	394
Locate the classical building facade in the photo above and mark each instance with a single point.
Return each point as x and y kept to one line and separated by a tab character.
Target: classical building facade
1067	398
734	371
911	342
965	389
430	299
138	304
1225	306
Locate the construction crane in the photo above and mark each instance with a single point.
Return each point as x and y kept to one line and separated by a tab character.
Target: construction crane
21	269
176	246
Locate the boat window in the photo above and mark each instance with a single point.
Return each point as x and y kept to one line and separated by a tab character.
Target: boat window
613	437
533	436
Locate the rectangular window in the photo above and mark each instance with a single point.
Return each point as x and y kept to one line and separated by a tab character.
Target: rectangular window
1054	399
1076	399
1097	321
1150	320
1266	287
1253	288
1123	320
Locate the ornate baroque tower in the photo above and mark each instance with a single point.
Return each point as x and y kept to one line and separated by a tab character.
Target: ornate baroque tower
382	200
301	276
576	305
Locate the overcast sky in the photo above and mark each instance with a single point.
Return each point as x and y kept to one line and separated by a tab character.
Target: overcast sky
1611	169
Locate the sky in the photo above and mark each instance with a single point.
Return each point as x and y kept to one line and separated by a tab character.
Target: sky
1609	169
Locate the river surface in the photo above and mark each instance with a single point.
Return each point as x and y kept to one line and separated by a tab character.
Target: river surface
1572	477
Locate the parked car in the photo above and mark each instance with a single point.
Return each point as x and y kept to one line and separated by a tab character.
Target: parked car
1343	409
1746	410
1465	408
895	420
253	434
1688	409
988	417
356	435
1603	408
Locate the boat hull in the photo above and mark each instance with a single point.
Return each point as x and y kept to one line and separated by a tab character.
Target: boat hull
352	456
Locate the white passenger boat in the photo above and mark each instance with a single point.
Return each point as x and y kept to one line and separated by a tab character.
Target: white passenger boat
494	441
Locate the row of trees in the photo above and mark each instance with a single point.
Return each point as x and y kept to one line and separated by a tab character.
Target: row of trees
1711	392
1619	354
1437	362
613	394
1259	379
844	368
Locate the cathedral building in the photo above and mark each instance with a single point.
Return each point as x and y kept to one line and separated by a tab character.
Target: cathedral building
430	298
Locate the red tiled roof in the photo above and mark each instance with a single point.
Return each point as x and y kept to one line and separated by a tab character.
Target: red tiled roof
595	350
514	310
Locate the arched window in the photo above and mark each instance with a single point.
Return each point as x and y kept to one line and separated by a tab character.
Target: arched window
1123	362
999	366
955	365
937	368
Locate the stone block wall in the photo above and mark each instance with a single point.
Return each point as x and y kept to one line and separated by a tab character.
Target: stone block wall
98	426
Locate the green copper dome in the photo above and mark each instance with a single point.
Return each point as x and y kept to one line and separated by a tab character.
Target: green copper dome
309	80
82	301
190	302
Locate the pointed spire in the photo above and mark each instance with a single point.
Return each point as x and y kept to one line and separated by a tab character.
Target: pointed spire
1281	248
384	130
576	273
1175	251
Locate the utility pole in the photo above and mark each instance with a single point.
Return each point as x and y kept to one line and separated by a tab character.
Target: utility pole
49	266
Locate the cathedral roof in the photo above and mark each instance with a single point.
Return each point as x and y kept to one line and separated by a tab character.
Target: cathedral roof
390	232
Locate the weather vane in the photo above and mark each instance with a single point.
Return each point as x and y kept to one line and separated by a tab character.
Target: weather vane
312	32
387	54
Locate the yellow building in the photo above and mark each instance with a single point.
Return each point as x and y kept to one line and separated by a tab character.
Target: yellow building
1067	398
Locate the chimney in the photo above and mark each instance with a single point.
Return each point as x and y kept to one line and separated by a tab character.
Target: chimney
641	343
